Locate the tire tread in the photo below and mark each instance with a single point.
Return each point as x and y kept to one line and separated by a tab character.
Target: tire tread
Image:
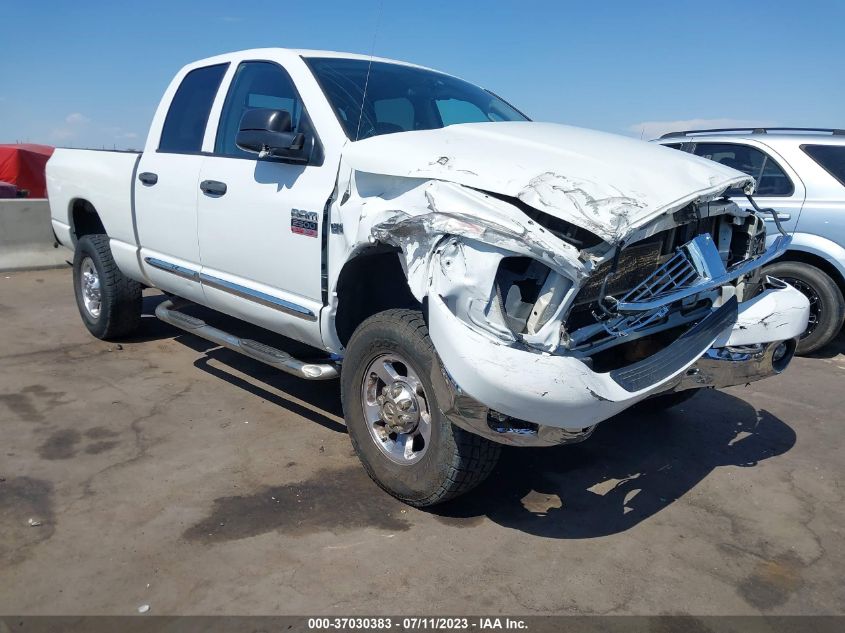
121	315
473	457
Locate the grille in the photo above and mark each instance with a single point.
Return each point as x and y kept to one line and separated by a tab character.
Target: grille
675	273
636	263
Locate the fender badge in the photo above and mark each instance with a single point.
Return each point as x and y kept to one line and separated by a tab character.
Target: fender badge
303	222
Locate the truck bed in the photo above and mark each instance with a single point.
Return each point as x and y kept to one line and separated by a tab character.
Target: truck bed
105	178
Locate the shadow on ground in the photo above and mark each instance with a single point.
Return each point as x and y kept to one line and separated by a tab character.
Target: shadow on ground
632	467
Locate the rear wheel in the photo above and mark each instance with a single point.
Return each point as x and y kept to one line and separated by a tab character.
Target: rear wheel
827	307
108	301
407	446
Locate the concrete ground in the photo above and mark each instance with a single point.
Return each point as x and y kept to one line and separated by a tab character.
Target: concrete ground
199	482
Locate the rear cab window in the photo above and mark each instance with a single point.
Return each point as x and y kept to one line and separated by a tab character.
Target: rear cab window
770	177
831	158
184	125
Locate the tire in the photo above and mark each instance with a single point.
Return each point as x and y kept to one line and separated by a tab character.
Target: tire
827	307
447	463
665	401
119	311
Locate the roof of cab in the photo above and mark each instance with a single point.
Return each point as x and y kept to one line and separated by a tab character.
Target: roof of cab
296	52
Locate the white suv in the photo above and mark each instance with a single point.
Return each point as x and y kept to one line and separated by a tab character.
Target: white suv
800	173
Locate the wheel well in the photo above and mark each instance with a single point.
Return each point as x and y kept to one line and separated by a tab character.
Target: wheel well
819	262
84	219
372	282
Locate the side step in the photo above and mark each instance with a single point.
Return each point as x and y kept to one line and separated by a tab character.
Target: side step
167	312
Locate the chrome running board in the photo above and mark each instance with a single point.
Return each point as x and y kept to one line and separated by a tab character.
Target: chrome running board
167	312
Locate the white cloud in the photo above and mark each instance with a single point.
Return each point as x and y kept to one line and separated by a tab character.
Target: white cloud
74	124
653	129
76	118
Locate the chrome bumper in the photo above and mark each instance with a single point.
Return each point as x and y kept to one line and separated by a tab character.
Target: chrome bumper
729	366
719	367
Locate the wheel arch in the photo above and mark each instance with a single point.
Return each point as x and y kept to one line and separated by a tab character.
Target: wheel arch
83	219
821	259
371	282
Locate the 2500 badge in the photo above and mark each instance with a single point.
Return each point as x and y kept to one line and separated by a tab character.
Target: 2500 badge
303	222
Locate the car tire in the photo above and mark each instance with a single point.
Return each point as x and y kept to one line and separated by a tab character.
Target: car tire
827	306
108	301
659	403
429	460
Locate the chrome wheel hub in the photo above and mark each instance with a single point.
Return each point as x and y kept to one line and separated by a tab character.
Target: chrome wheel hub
399	407
89	284
396	409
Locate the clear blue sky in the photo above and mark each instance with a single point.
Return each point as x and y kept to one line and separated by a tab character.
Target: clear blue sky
90	73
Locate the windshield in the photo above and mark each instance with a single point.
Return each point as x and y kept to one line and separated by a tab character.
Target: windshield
402	98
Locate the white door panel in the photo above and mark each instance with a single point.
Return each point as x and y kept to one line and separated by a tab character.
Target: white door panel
247	238
167	220
247	232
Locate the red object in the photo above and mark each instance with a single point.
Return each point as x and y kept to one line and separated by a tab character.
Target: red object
23	166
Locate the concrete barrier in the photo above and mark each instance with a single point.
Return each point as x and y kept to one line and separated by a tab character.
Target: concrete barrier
26	236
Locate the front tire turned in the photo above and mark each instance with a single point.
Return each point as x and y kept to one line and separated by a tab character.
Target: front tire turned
406	445
108	301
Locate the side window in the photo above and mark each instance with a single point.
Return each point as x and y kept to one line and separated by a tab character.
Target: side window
771	179
256	85
673	145
184	125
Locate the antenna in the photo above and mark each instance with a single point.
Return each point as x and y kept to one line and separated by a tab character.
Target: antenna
369	66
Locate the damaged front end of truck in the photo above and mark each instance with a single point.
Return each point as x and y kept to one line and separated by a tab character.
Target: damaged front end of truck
555	301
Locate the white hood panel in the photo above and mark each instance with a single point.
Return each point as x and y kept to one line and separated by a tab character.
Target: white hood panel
605	183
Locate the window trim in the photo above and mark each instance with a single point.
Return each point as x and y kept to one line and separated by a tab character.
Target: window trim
767	156
159	150
317	153
803	147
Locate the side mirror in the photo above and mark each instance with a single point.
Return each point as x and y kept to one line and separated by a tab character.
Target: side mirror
268	132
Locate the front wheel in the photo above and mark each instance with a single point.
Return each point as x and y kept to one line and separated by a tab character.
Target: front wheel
407	446
827	307
108	301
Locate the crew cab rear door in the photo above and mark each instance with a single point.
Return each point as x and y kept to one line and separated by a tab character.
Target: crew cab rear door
167	184
260	219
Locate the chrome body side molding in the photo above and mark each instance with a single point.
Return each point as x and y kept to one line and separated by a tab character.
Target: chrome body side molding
236	289
179	271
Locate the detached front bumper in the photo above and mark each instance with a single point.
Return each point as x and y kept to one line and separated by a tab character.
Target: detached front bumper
521	397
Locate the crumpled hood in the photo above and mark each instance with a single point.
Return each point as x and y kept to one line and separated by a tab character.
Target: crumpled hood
605	183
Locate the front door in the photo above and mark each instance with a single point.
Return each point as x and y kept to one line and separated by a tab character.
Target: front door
260	219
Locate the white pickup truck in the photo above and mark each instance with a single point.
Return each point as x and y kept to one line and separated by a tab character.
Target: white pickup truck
473	277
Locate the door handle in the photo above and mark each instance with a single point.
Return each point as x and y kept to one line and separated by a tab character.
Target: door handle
148	178
213	187
783	217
